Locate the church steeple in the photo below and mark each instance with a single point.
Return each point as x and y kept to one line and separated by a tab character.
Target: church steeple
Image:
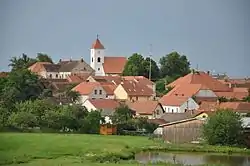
97	44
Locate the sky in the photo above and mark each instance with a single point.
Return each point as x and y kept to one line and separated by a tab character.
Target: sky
213	34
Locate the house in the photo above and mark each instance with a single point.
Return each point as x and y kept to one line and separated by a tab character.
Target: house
61	70
74	67
150	109
178	104
133	91
106	106
182	131
240	107
209	87
90	90
105	65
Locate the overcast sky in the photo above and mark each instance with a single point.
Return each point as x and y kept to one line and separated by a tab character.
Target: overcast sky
212	33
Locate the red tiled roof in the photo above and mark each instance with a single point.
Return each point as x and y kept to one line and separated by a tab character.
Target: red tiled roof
139	79
136	89
114	65
230	95
38	67
97	44
188	90
3	74
203	79
85	88
173	100
78	78
208	106
109	89
104	103
144	107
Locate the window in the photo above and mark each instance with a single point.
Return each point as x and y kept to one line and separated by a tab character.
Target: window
92	60
136	98
98	59
177	109
98	69
100	92
50	76
56	75
172	110
95	92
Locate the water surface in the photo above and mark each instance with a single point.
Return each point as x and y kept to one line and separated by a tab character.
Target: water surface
194	158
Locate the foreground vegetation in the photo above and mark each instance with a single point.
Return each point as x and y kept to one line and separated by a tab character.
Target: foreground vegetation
76	149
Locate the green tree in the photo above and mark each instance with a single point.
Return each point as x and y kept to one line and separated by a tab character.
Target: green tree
134	66
22	120
155	71
91	124
174	65
22	62
43	58
122	114
20	85
224	128
161	87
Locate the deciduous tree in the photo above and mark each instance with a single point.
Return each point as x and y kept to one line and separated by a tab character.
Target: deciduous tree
174	65
41	57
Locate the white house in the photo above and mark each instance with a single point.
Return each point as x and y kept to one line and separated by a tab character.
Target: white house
90	90
178	104
106	106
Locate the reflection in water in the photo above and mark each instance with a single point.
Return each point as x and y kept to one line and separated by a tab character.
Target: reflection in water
193	158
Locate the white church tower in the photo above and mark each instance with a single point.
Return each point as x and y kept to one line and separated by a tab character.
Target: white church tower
97	57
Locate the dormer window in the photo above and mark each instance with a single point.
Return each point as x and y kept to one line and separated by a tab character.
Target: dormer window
98	59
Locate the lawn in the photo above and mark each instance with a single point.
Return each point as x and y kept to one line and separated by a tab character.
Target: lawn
33	149
50	148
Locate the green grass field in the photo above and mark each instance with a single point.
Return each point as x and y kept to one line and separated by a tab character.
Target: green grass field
72	149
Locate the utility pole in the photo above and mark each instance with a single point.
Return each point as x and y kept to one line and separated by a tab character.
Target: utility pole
150	65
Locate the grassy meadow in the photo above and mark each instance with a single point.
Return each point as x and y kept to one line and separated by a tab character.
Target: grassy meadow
77	149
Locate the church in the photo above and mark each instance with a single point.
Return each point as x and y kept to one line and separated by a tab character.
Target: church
105	65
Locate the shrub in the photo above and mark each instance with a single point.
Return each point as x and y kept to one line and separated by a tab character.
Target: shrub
224	128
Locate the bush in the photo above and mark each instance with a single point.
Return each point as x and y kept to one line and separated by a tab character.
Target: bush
224	128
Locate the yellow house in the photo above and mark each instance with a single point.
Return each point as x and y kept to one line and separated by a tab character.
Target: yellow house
132	91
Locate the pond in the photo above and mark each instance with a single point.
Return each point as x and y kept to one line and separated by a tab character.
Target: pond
193	158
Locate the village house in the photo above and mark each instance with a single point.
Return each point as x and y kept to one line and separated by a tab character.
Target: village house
204	87
104	65
149	109
90	90
133	91
178	104
61	70
106	106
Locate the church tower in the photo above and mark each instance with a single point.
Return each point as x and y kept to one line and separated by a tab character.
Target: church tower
97	57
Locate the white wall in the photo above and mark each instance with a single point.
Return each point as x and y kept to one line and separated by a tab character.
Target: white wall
64	75
171	109
97	66
92	95
190	104
205	93
88	105
54	75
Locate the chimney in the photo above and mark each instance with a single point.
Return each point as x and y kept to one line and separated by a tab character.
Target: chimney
208	72
81	59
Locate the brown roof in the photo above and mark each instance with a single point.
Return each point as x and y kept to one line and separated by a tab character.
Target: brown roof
172	117
3	74
230	95
114	65
173	100
109	89
236	106
203	79
144	107
136	89
75	66
77	78
97	44
51	67
85	88
38	67
157	121
104	103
